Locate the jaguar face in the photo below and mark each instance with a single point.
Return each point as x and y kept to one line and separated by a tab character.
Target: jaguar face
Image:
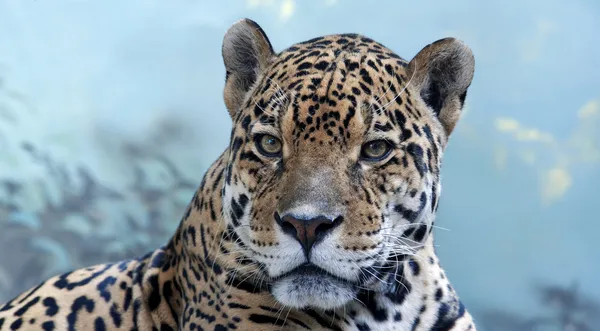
333	167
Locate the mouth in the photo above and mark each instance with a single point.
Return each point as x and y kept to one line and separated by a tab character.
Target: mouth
309	270
310	286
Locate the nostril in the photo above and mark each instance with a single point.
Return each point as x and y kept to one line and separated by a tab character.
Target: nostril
277	218
337	221
325	227
286	226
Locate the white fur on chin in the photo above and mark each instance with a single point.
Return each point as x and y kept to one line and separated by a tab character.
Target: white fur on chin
315	291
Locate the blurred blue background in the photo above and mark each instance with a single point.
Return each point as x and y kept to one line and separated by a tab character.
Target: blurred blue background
111	111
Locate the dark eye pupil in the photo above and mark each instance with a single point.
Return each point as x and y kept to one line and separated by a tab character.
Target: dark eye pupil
377	146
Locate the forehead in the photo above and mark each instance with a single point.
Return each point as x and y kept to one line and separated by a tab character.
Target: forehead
329	80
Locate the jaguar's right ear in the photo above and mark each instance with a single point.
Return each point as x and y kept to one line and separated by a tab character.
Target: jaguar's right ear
246	53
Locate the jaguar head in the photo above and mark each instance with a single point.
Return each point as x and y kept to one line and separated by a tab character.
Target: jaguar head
334	162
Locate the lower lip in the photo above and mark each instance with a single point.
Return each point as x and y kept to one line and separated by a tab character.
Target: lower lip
308	269
311	270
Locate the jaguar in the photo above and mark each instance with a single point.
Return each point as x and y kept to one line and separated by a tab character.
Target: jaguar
317	216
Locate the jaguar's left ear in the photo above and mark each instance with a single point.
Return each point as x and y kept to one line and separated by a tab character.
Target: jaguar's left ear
441	73
246	53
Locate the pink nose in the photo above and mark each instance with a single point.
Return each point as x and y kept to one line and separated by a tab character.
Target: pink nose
307	231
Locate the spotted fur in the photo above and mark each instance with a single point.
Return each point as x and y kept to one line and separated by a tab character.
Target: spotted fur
235	264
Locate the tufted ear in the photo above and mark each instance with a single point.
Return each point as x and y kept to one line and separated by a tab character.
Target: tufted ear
246	53
441	72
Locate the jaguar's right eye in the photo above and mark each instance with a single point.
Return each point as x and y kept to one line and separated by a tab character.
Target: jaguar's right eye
375	150
269	145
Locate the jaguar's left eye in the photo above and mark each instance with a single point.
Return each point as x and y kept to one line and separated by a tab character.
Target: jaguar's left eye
375	150
269	145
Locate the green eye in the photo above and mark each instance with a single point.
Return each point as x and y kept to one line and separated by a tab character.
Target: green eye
269	145
375	150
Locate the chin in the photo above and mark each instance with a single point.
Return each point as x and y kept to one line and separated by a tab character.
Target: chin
307	287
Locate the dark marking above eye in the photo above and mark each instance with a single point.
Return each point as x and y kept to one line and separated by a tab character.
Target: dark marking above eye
406	134
246	122
383	127
400	118
259	107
